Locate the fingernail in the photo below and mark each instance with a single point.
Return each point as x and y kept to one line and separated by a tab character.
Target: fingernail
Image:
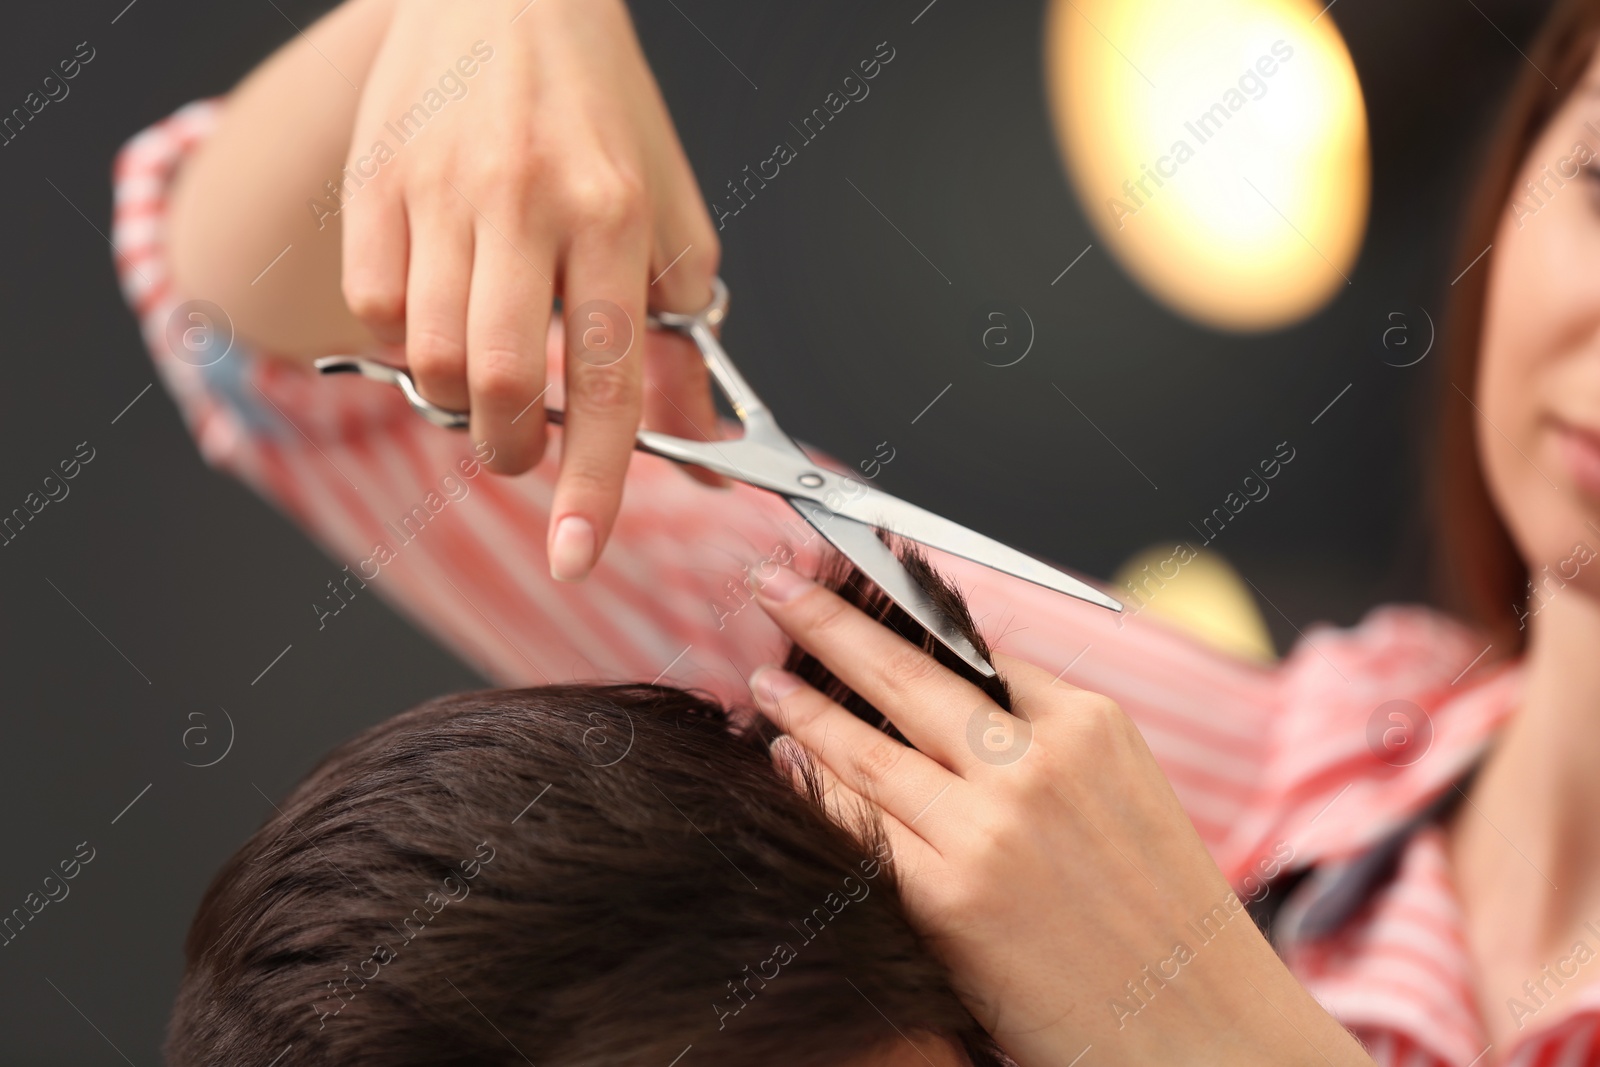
783	586
786	751
572	549
771	685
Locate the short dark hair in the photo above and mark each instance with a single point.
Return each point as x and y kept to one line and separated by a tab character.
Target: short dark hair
577	874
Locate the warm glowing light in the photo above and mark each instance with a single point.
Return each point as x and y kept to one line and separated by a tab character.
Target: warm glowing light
1200	594
1219	148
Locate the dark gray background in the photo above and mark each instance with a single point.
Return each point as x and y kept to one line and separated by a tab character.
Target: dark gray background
199	584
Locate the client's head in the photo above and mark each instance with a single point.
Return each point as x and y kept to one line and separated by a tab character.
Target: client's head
573	875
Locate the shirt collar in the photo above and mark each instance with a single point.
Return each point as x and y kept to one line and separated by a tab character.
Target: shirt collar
1330	794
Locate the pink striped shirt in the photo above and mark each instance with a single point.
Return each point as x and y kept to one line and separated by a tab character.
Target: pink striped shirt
1276	766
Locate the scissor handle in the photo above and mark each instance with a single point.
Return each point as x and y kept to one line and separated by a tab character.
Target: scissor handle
700	327
395	376
711	315
697	325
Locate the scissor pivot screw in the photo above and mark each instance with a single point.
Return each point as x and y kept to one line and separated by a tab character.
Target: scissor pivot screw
811	480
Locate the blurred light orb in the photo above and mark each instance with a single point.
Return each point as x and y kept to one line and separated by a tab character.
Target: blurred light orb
1219	149
1208	600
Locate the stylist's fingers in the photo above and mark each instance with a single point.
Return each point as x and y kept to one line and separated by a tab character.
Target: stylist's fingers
677	397
604	297
436	305
682	264
1096	727
899	779
853	812
686	251
845	806
1022	675
508	317
929	703
373	274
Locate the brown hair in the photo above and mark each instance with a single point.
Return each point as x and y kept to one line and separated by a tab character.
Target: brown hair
581	875
1481	573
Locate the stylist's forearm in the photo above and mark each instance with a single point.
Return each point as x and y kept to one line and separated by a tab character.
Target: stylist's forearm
1242	1008
1233	1005
241	198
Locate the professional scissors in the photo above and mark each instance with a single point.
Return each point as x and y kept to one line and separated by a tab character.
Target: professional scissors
841	508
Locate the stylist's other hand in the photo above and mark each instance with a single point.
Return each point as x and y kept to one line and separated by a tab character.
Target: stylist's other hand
552	169
1044	855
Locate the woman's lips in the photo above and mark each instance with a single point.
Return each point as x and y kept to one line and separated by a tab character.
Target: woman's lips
1580	451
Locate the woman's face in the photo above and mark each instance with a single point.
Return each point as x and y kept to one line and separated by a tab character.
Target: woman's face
1538	388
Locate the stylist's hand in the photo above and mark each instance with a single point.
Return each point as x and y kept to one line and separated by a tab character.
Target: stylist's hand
1047	860
555	172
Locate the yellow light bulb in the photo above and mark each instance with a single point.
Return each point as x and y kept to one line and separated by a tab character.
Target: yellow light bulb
1220	149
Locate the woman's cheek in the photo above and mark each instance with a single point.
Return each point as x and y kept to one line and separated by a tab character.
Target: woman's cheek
1540	331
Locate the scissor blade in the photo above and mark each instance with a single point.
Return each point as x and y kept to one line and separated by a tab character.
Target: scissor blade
789	472
876	508
877	561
